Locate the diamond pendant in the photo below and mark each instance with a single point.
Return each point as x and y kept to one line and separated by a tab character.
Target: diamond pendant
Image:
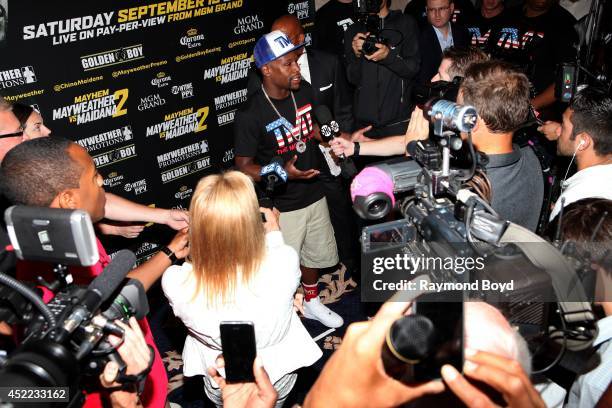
300	146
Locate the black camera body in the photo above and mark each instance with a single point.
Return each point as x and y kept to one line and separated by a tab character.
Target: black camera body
367	6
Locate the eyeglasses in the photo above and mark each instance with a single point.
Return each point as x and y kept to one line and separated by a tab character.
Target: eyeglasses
438	10
16	134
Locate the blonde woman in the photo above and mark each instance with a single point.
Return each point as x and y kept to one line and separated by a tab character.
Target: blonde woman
239	269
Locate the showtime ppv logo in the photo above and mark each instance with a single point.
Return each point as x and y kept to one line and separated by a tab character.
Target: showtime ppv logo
186	90
248	24
137	187
301	10
17	76
192	39
112	57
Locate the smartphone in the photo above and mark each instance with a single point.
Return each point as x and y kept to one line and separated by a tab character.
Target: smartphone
447	344
239	351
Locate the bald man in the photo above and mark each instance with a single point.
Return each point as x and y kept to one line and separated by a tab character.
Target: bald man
324	72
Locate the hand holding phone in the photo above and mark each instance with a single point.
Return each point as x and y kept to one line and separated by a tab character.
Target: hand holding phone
239	350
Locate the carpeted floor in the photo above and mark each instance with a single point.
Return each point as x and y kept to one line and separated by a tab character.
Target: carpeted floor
336	289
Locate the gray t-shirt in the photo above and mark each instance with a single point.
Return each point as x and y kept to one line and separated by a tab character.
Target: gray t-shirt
518	186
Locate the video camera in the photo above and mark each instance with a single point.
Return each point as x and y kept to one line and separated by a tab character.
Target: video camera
65	341
443	218
366	12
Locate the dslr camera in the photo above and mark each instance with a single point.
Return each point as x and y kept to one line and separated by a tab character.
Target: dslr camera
366	12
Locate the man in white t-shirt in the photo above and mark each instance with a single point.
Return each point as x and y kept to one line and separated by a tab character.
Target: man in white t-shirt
586	133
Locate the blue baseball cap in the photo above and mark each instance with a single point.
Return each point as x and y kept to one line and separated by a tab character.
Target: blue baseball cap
272	46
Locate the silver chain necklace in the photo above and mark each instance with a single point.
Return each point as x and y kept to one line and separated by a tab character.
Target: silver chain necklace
300	146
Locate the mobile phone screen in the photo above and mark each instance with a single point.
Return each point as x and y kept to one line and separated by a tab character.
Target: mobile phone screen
447	347
238	343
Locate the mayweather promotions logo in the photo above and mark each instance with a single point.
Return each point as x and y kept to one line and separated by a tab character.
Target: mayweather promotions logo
17	76
180	156
230	99
161	80
94	106
107	139
192	39
112	57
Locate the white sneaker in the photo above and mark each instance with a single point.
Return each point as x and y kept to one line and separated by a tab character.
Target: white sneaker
314	309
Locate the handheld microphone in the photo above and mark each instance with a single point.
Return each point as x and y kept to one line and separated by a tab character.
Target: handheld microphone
273	173
99	290
330	129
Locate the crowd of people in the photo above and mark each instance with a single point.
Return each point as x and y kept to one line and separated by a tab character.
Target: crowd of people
233	259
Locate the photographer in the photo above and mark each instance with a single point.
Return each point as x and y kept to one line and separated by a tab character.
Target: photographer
515	173
384	71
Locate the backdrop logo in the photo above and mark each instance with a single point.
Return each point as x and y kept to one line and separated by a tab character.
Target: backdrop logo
226	117
151	101
230	99
112	57
113	179
161	80
182	154
192	39
301	9
114	156
17	76
228	155
186	90
107	139
248	24
180	123
94	106
231	69
183	193
136	187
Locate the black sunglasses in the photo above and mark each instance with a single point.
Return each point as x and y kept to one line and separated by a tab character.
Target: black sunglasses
16	134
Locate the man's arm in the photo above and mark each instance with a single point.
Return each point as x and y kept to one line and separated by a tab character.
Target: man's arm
149	272
544	98
120	209
248	167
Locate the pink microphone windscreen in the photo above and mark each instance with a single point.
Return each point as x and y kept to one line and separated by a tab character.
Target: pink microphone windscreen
372	180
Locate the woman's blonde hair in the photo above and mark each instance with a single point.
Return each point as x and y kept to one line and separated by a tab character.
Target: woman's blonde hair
226	235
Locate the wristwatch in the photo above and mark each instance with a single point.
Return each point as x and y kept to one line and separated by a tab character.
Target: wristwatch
356	148
170	254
